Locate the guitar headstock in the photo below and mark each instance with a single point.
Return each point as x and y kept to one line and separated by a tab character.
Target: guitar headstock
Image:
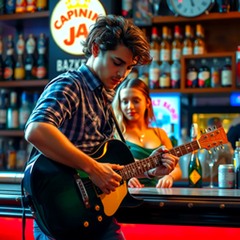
213	137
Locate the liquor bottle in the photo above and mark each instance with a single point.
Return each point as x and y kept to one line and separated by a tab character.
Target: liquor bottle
192	75
10	6
155	44
215	74
199	43
226	74
194	167
176	44
11	155
187	48
24	110
237	163
1	59
127	6
31	5
30	62
20	6
3	108
41	70
154	74
19	70
41	5
2	154
223	6
204	75
13	112
164	80
165	46
21	155
175	74
172	136
238	66
9	62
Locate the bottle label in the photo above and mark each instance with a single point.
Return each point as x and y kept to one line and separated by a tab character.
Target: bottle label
176	54
215	78
164	81
41	72
195	176
204	79
187	51
154	54
19	73
191	78
8	73
226	77
199	50
165	55
11	160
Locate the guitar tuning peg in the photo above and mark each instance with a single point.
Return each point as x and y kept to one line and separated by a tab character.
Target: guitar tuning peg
222	147
202	131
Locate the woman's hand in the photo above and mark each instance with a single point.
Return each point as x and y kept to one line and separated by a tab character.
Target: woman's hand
165	182
134	183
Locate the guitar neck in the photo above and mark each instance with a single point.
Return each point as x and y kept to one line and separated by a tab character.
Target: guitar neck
139	167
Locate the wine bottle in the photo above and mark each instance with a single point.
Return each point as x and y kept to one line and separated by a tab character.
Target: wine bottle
194	167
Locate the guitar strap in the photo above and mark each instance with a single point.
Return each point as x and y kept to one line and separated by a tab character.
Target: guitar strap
117	125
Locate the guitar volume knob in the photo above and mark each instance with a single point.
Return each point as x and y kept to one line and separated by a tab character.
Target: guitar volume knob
99	218
86	224
97	207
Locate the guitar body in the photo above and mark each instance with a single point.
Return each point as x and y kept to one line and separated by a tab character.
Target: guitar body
56	200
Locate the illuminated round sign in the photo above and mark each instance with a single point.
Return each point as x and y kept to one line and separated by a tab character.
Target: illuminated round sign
70	23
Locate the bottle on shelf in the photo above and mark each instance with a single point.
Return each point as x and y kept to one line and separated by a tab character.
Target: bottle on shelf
13	112
237	163
9	62
30	62
21	155
10	6
176	44
2	154
3	108
187	48
1	59
172	136
199	43
164	79
165	46
11	155
24	109
155	44
204	75
194	167
223	6
31	6
175	74
20	6
226	74
42	5
1	7
238	67
215	74
192	75
41	70
19	70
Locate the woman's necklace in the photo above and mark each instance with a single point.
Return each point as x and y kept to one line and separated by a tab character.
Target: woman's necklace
141	138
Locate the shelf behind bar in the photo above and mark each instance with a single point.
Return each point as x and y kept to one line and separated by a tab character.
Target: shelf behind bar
24	83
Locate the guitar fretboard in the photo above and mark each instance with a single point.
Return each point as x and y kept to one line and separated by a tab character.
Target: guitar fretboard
139	167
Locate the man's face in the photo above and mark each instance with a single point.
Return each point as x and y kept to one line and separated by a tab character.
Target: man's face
112	67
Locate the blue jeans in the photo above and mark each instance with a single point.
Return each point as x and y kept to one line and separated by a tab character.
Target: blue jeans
113	232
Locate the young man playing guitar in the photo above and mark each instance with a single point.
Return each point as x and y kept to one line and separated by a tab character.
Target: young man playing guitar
70	120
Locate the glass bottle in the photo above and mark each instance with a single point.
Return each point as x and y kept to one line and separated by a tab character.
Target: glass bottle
13	112
19	70
41	5
20	6
2	154
31	5
1	59
1	7
176	44
175	74
30	62
9	62
199	43
10	6
192	75
164	80
3	108
165	46
41	70
155	44
194	167
187	48
21	155
215	74
204	75
226	73
24	110
237	163
11	155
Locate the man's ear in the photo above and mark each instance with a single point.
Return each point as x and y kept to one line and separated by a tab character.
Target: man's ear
95	49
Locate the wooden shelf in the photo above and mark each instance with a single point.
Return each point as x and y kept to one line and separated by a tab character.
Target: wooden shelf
11	133
23	83
19	16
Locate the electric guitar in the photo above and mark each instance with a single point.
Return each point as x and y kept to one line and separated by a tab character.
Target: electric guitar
67	205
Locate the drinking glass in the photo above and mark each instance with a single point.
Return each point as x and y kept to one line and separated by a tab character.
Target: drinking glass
211	160
156	6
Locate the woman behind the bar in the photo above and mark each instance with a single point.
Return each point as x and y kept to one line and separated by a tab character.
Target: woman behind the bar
132	106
